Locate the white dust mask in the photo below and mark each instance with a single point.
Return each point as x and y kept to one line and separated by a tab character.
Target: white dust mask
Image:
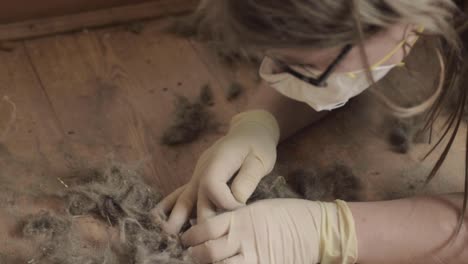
340	86
339	89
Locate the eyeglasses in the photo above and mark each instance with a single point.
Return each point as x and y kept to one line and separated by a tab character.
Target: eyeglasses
320	81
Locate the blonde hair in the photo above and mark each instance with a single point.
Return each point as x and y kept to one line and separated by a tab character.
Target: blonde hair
266	24
257	25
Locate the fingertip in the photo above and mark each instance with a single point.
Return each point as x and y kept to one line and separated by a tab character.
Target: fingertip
247	179
242	189
237	204
168	202
222	197
158	214
172	226
180	214
184	239
211	229
187	238
240	196
169	228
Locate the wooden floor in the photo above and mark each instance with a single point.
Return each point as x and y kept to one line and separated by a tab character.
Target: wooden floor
86	98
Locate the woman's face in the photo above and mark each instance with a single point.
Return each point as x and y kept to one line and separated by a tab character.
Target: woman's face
376	47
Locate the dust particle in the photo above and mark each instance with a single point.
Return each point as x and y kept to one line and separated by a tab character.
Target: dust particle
399	140
272	187
234	91
190	120
45	225
337	182
115	194
79	204
404	132
120	196
111	210
206	96
123	199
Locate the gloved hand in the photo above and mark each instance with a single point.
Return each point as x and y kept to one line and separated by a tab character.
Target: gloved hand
277	231
249	148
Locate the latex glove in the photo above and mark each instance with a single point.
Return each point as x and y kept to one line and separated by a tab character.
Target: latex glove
277	231
249	148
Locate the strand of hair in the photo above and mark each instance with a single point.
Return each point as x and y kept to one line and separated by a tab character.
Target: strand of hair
442	158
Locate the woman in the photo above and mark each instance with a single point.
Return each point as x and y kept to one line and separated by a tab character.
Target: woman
321	53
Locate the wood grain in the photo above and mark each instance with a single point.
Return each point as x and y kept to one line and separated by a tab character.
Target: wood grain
33	149
20	10
99	18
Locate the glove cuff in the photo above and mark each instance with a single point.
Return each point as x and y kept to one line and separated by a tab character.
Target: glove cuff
258	117
338	241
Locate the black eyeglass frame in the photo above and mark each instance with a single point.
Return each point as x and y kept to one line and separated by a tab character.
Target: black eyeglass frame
321	81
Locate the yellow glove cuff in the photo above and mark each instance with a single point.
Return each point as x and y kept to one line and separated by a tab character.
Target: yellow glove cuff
338	241
258	117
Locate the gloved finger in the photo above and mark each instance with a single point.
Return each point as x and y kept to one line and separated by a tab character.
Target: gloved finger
211	229
237	259
166	204
221	196
215	250
222	166
181	212
205	208
248	178
225	162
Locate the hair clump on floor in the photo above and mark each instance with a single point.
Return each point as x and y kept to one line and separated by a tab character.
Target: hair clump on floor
119	198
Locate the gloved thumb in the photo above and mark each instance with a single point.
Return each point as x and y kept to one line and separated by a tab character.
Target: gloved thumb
248	178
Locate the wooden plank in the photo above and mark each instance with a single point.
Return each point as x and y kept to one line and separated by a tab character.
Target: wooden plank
33	147
90	105
116	15
21	10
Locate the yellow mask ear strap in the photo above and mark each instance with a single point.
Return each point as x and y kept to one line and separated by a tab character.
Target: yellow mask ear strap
387	57
352	75
396	49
